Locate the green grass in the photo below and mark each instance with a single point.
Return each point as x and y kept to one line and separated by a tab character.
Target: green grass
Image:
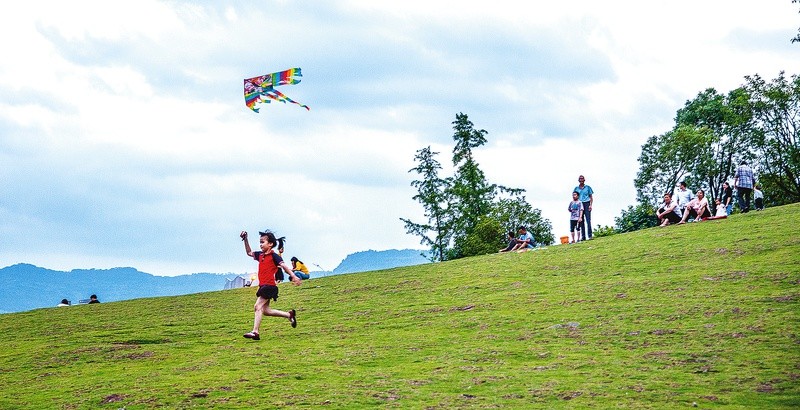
702	314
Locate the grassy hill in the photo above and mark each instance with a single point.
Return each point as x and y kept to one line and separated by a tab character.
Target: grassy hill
704	315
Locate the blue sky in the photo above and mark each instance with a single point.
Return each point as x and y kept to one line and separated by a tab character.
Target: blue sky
125	141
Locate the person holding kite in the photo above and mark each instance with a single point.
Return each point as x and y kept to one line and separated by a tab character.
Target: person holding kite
268	264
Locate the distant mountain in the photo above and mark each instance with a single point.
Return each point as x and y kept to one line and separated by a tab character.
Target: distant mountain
376	260
25	287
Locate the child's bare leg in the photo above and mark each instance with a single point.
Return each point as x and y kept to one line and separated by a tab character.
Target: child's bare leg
275	312
259	312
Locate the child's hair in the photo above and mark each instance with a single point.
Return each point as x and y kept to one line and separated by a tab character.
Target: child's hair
576	192
270	237
281	240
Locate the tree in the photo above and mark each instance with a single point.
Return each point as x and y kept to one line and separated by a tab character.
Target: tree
433	195
728	118
516	211
469	191
669	158
776	113
487	237
634	218
466	214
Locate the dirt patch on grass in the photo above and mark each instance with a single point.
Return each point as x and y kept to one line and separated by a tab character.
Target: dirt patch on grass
113	398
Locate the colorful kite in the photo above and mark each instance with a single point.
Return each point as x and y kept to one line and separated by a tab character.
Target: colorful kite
262	89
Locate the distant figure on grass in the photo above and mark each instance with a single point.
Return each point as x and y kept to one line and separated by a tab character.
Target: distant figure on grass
268	264
744	181
93	299
525	241
585	195
63	303
575	215
300	269
758	196
697	208
512	242
668	212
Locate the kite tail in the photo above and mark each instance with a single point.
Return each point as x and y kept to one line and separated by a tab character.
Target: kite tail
279	96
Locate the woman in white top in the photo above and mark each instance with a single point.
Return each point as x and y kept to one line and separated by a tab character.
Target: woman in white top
697	208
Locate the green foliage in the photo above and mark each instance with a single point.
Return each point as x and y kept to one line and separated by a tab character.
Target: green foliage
635	218
516	211
456	206
670	158
487	237
625	322
776	111
433	195
602	231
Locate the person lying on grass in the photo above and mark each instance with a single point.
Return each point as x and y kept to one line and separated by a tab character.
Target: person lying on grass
268	264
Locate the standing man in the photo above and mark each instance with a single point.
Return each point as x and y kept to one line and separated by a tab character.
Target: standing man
744	182
684	196
585	196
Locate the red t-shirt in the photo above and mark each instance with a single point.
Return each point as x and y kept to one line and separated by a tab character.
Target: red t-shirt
267	267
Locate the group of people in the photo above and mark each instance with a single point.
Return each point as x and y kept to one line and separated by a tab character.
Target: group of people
685	206
66	302
580	211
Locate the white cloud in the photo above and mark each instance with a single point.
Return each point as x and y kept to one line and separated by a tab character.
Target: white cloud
124	135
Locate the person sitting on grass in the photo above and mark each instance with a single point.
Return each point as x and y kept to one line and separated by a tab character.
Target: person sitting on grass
300	269
721	209
525	241
512	241
697	208
668	212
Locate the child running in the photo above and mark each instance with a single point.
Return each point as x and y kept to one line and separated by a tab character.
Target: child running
575	216
268	264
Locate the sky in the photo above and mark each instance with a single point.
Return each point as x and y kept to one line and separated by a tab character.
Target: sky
125	140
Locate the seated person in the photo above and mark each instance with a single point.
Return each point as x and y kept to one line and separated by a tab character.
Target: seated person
721	209
300	269
525	241
512	241
668	212
93	299
697	208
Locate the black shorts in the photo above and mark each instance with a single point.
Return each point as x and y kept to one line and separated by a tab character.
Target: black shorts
279	275
268	292
572	225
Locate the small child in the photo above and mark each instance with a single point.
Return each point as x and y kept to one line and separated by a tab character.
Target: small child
721	209
758	196
268	264
575	216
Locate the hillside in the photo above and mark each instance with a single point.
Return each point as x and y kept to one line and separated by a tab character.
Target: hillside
703	314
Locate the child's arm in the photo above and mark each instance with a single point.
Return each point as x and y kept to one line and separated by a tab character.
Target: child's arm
247	249
288	270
